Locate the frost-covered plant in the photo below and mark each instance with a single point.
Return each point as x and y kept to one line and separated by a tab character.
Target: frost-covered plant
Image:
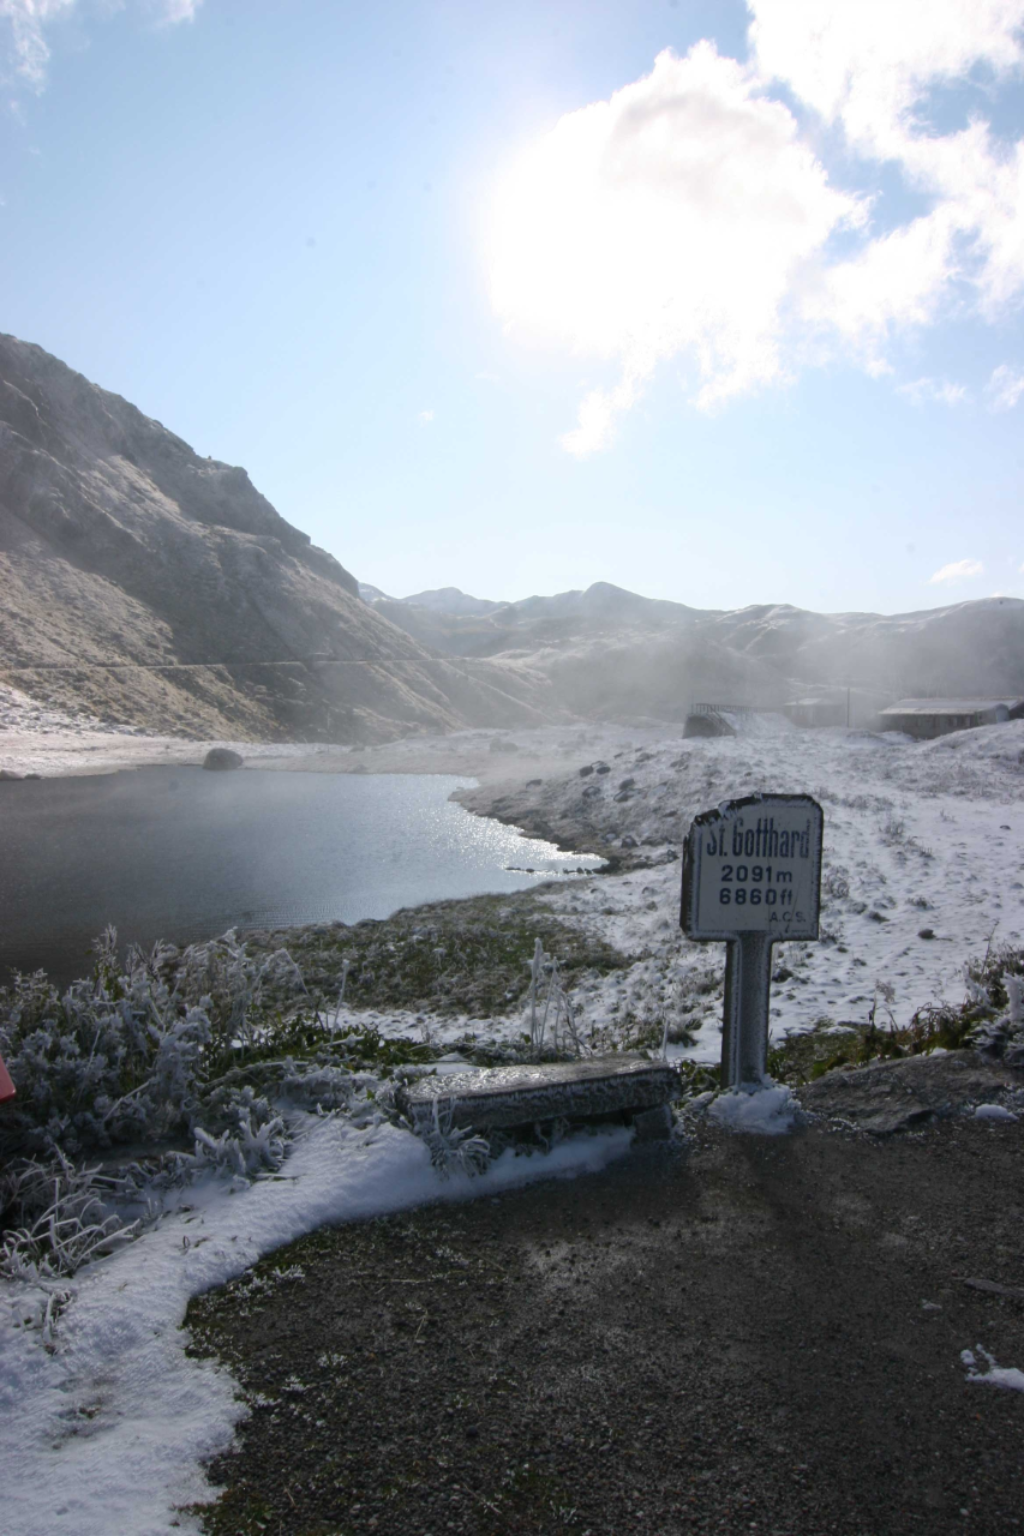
835	882
548	1003
66	1220
136	1050
454	1149
248	1149
893	830
114	1057
1015	999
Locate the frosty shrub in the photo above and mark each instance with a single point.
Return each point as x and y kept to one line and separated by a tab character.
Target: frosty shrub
144	1050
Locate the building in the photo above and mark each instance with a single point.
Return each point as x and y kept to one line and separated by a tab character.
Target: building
925	718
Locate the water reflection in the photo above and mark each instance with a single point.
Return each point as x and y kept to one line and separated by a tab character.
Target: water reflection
182	854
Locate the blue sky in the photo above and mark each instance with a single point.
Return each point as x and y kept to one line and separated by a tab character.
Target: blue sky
722	305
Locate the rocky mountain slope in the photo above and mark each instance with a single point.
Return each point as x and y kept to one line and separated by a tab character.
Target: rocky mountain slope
144	584
611	653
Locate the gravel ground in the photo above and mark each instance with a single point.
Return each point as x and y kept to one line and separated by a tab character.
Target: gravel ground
731	1334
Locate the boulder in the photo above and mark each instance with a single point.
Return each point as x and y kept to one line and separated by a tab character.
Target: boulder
220	759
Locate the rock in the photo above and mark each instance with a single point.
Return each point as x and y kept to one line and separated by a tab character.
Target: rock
220	759
891	1096
7	776
601	768
503	1098
587	771
502	744
629	841
627	783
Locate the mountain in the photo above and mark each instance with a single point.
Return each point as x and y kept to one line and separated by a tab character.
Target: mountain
612	653
451	600
156	588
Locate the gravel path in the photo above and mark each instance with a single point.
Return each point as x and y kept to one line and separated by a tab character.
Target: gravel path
733	1335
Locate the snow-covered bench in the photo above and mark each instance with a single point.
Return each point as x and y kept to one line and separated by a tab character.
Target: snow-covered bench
511	1098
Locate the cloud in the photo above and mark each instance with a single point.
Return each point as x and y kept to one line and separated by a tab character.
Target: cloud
959	570
1004	388
690	215
23	26
426	417
170	12
870	66
25	22
872	70
940	390
674	218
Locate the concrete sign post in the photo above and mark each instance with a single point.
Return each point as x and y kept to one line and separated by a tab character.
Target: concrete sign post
751	877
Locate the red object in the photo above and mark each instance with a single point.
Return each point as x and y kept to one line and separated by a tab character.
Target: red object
6	1086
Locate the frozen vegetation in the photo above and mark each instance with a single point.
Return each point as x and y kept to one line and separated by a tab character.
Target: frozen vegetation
183	1112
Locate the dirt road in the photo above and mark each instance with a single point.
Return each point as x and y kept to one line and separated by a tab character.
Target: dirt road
737	1334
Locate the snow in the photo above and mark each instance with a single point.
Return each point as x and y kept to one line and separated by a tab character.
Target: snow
992	1374
994	1112
109	1430
920	839
770	1110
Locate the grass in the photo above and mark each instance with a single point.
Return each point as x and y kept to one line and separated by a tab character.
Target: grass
469	956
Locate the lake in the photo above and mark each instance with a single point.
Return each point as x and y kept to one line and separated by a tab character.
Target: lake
184	854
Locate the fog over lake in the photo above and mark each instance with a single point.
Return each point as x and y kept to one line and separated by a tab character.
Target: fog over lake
181	854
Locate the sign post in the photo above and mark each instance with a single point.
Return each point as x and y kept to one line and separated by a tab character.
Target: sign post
752	877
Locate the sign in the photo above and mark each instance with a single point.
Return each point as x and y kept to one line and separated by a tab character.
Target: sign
752	877
754	866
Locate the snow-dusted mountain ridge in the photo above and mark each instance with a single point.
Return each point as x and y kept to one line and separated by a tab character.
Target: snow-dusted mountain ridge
615	653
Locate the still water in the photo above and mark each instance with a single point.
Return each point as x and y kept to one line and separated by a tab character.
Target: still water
182	854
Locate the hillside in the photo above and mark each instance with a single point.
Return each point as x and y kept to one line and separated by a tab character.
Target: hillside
152	587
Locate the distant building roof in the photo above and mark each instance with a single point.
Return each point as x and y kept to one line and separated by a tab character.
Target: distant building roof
950	706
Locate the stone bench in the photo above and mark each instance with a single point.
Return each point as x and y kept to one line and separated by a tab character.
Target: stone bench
514	1098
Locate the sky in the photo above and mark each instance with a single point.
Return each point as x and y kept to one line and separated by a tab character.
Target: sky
722	303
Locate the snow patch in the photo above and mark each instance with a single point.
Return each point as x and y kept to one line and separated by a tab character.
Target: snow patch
992	1374
993	1112
770	1110
86	1444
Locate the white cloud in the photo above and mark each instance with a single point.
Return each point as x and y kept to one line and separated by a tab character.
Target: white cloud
23	26
871	68
689	215
1004	388
426	417
958	570
940	390
676	217
868	66
25	23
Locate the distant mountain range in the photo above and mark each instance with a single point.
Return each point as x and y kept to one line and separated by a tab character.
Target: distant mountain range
613	653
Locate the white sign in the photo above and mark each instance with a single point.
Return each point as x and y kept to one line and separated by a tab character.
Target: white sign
754	866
